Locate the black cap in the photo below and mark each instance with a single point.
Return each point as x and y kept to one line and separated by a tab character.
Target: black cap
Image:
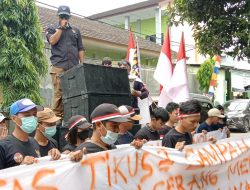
78	121
63	10
107	112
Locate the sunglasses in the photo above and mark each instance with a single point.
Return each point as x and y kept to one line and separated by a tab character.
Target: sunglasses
64	17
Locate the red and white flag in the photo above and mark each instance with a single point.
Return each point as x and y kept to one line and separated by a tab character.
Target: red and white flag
178	90
164	70
131	48
133	57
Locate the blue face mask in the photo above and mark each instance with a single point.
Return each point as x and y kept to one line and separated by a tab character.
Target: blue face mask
49	131
29	124
110	137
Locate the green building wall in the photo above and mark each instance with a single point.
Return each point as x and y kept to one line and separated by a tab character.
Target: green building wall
148	27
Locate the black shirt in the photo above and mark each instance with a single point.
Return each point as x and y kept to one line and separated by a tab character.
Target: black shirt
125	138
164	130
65	53
69	147
147	133
173	136
93	148
45	149
11	146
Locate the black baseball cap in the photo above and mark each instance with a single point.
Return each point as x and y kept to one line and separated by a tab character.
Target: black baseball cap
78	121
63	10
107	112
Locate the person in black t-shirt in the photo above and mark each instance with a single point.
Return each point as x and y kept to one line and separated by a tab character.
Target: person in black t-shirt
173	110
105	119
125	137
150	132
45	131
189	117
19	148
79	130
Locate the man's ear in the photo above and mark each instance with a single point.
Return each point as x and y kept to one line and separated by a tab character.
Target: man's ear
16	120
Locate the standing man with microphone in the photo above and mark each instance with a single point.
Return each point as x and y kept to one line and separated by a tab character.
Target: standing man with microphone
67	51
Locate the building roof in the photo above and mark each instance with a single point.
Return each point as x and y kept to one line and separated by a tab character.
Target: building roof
126	9
95	30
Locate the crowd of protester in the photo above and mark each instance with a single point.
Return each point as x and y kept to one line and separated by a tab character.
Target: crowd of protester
110	126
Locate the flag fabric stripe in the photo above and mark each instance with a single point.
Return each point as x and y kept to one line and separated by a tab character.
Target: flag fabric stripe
166	46
178	90
164	68
133	57
131	45
181	54
166	50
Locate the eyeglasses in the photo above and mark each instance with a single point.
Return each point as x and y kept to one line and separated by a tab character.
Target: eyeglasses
64	17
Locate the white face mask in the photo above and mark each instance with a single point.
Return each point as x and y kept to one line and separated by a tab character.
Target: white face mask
110	137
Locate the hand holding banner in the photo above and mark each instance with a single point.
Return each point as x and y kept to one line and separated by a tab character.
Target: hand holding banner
224	165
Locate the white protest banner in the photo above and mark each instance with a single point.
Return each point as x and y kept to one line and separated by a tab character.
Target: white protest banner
202	137
224	165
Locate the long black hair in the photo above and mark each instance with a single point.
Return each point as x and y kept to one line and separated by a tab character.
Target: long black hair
72	136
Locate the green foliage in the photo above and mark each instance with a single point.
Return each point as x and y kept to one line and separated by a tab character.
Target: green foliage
219	26
22	58
204	74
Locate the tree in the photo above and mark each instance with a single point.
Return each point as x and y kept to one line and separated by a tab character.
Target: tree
22	58
204	74
218	25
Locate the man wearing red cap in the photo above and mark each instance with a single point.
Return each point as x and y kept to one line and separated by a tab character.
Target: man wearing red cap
106	119
79	130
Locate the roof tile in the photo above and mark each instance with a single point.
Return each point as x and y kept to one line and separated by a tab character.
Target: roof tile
95	29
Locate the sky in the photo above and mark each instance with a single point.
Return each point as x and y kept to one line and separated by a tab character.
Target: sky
90	7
